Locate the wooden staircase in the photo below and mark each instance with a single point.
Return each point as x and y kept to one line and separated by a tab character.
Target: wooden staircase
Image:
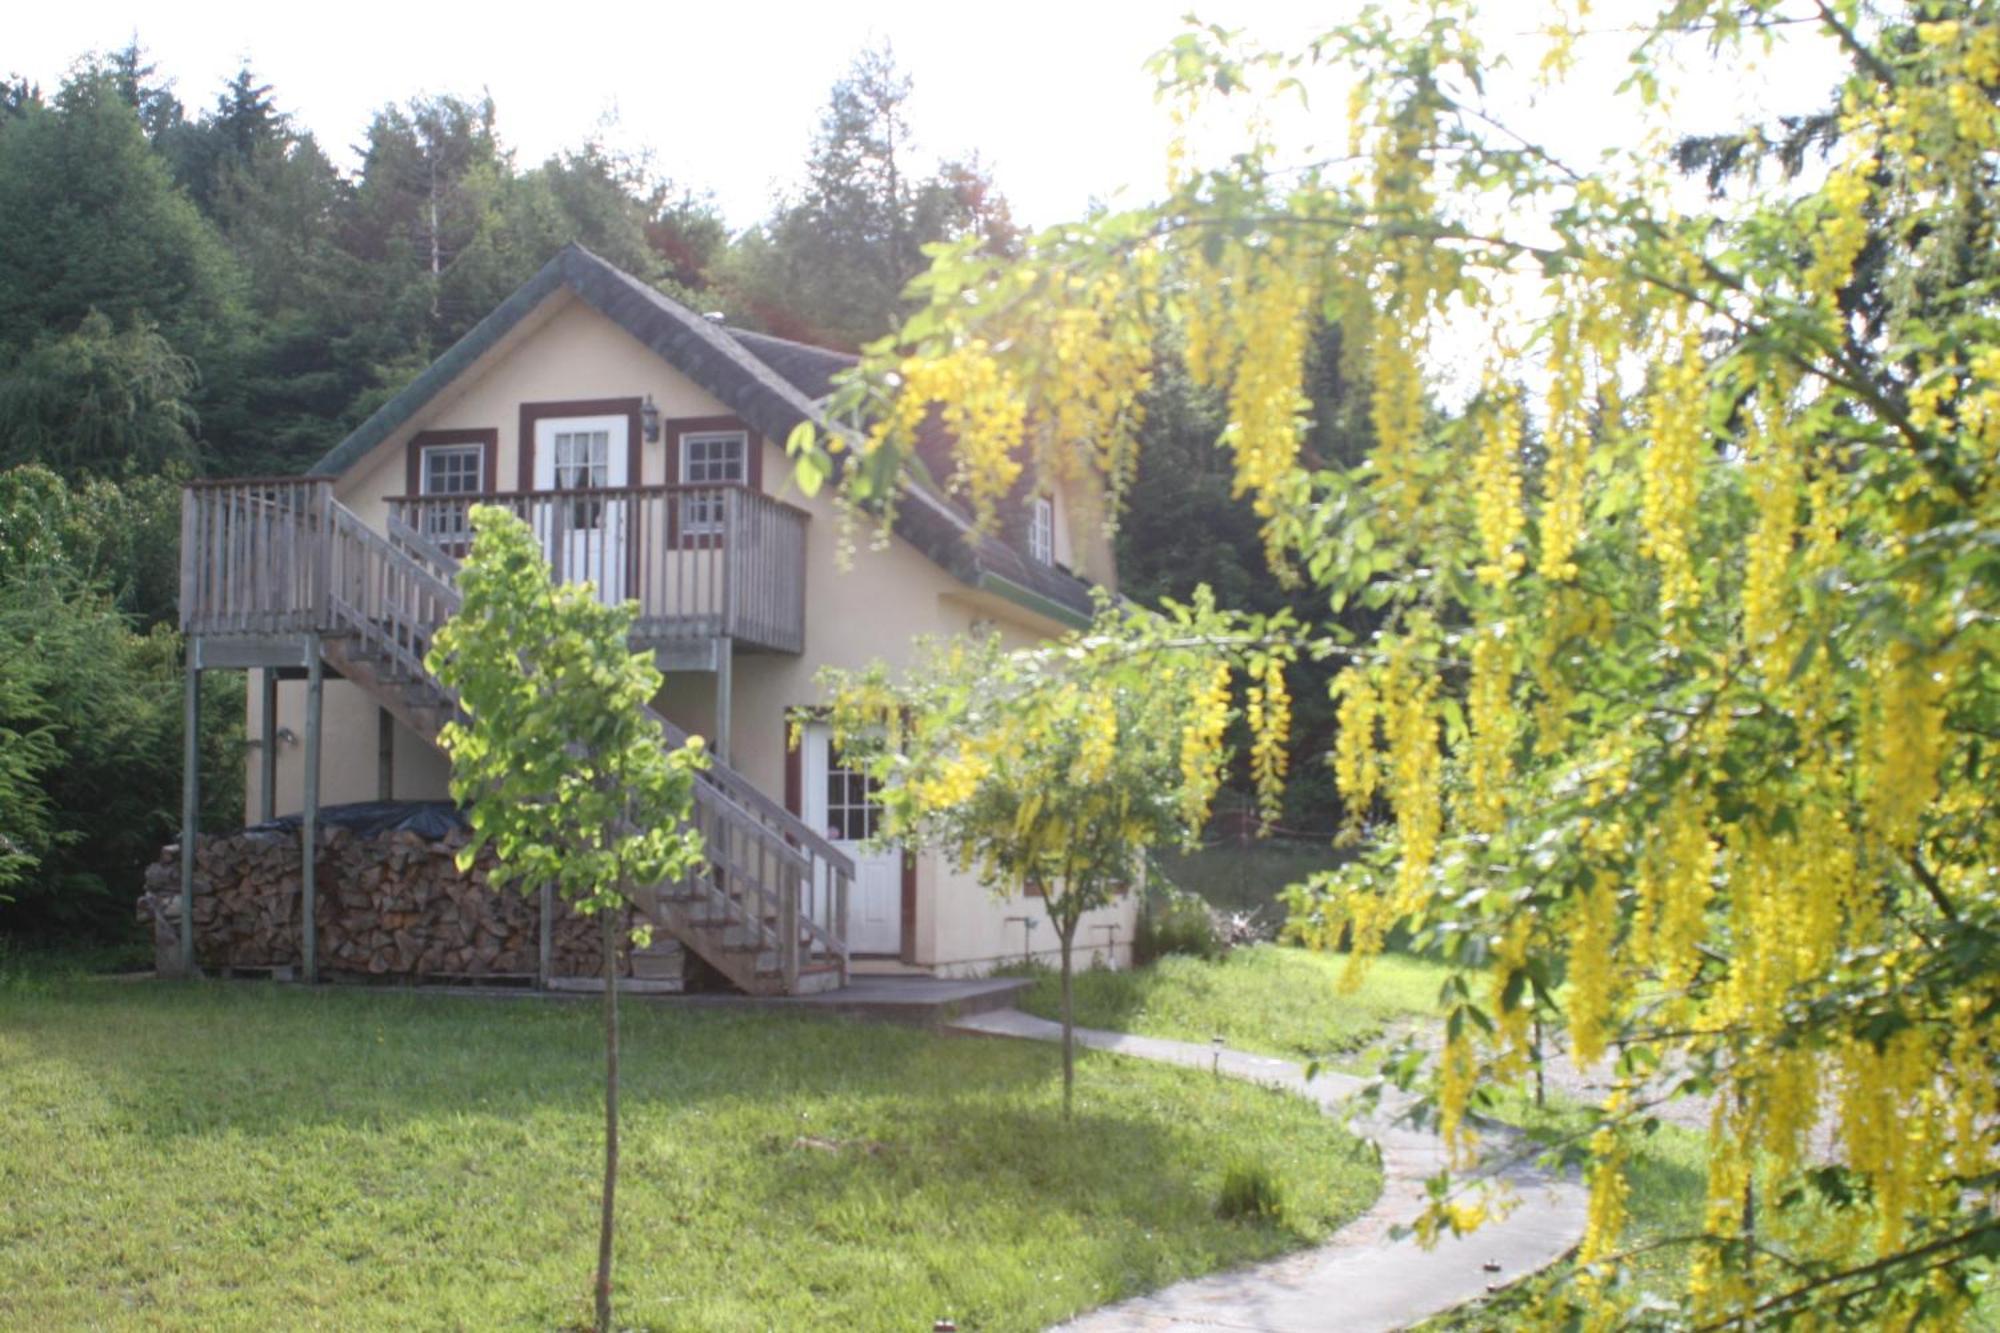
768	911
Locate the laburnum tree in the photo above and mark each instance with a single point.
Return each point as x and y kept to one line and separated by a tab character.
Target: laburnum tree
1049	771
1682	721
563	773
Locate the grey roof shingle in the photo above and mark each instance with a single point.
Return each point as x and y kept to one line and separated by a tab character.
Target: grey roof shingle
773	384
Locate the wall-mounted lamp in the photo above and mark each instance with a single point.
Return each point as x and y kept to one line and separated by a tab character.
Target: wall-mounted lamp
286	736
649	420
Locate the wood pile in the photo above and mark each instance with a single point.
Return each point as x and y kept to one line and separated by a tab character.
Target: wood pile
393	905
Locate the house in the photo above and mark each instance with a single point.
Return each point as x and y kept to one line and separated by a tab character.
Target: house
644	443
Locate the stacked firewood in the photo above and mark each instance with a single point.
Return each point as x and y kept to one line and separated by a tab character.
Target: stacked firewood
390	905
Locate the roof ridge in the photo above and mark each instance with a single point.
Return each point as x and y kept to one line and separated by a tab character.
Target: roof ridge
738	332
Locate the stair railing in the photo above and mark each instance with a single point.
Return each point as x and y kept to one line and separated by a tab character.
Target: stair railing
754	842
380	594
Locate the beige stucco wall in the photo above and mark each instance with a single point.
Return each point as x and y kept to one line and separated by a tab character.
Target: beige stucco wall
350	749
877	608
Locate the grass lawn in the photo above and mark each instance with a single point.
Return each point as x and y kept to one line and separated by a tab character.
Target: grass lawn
1288	1002
235	1155
1269	998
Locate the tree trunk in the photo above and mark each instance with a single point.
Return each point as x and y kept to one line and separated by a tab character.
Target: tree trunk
610	1119
1064	936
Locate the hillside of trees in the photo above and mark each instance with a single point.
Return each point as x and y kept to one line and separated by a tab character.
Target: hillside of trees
194	285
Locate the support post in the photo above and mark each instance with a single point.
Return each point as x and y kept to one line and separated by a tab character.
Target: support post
546	955
309	819
267	779
385	755
190	802
724	693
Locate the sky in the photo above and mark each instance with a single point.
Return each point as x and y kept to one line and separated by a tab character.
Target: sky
1052	94
1054	98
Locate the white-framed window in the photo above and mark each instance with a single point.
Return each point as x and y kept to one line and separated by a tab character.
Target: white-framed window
1042	529
853	807
449	469
582	462
711	458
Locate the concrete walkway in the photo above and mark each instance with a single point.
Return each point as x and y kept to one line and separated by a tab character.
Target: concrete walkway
1363	1278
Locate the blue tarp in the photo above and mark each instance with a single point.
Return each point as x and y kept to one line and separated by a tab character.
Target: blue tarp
369	819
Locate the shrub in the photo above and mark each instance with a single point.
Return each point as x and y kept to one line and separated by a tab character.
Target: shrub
1176	921
1249	1192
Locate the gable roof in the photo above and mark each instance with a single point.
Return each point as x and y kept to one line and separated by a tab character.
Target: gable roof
773	384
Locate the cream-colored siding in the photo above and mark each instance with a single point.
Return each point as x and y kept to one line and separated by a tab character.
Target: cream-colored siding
878	608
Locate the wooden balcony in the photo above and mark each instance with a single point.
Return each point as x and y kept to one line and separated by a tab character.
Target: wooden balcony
704	563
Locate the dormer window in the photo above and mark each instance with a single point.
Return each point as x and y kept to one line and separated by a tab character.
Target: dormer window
1042	530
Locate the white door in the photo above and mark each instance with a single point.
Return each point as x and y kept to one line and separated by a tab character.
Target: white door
840	803
583	536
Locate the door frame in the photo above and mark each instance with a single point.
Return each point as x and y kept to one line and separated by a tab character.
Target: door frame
533	415
795	806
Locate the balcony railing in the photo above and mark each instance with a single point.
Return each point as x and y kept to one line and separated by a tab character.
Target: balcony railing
255	555
701	561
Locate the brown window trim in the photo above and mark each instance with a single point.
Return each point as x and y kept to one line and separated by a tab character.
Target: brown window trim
534	413
753	469
487	439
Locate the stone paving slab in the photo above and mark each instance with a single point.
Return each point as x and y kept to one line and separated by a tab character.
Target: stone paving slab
1363	1278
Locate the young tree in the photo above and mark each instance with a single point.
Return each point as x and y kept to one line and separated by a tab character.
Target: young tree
563	774
1050	771
1685	717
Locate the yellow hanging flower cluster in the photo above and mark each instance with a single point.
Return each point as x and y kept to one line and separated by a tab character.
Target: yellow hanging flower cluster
1211	288
1671	466
1496	482
1396	390
1201	743
1091	383
1843	228
954	782
1458	1074
1775	475
983	408
1097	720
1902	745
1495	724
1593	977
1672	888
1267	410
1604	1224
1268	710
1355	771
1415	763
